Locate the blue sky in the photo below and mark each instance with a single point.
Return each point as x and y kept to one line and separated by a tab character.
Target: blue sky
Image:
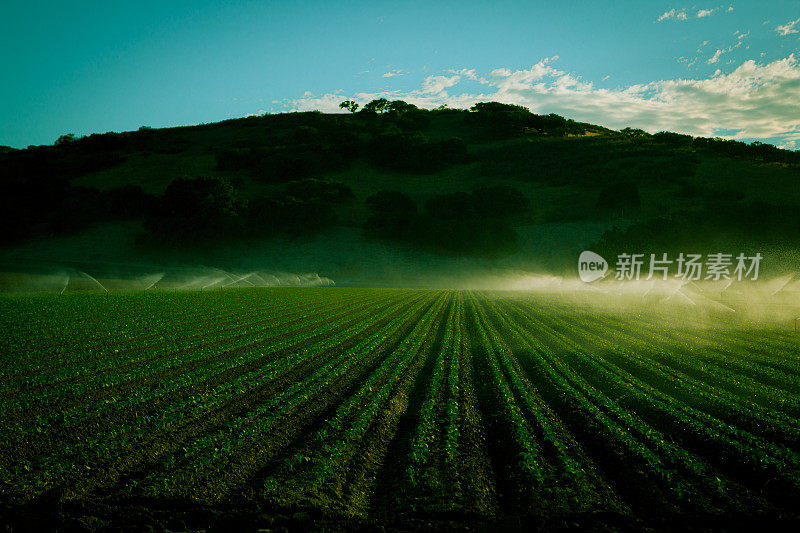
709	68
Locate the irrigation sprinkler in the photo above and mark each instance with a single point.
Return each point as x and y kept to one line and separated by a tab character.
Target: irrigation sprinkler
93	279
157	279
65	285
262	281
238	280
217	280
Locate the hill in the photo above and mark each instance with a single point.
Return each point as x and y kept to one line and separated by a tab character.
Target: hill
392	193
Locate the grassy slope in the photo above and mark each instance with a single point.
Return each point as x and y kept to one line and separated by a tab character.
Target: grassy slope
564	215
154	171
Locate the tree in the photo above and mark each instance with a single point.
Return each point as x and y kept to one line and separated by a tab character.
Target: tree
286	214
673	139
634	133
500	121
398	107
381	105
553	124
66	139
350	105
197	210
496	108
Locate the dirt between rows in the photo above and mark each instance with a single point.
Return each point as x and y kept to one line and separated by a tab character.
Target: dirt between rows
88	516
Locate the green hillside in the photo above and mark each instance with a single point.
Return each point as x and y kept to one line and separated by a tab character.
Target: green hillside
496	185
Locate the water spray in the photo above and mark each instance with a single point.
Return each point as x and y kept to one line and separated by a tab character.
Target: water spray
157	279
65	285
91	278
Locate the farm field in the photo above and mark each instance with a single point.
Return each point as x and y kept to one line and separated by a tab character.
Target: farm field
341	409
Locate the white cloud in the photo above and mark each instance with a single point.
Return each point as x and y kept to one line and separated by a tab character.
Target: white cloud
789	28
437	84
470	74
393	73
791	140
673	14
790	145
757	100
500	73
681	14
715	58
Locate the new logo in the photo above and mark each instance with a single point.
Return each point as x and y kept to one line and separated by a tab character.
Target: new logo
591	266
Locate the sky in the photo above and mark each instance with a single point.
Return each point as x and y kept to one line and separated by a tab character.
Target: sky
729	69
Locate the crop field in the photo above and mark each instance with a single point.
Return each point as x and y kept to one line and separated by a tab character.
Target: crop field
331	408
